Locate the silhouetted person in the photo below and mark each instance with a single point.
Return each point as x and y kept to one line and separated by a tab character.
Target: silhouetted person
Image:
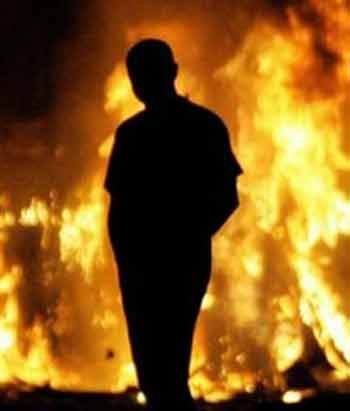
172	181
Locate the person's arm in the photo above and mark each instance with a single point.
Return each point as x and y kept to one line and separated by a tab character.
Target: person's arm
223	184
112	179
114	182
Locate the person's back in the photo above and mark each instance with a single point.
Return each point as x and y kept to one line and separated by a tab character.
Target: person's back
172	181
168	170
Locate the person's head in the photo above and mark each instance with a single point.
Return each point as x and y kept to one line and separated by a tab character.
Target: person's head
152	70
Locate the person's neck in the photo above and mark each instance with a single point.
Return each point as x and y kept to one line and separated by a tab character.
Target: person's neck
163	99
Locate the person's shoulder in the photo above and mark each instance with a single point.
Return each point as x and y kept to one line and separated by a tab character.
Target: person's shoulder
209	118
131	124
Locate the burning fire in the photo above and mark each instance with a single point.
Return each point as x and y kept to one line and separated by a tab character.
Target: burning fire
280	269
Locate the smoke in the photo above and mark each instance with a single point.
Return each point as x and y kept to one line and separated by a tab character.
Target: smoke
30	34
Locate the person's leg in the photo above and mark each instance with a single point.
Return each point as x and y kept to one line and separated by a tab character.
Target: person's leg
167	399
177	312
161	316
196	283
160	329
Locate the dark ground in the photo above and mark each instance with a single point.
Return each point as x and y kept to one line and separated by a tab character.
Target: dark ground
48	400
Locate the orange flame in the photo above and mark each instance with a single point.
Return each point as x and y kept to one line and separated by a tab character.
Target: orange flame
280	263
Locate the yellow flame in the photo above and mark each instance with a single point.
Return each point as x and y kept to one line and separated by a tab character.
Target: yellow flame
292	397
81	232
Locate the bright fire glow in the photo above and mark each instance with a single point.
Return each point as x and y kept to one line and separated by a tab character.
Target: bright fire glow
280	264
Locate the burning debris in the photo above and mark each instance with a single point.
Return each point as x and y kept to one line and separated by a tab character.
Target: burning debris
279	293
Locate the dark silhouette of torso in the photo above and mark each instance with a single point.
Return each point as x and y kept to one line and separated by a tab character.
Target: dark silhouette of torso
172	176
